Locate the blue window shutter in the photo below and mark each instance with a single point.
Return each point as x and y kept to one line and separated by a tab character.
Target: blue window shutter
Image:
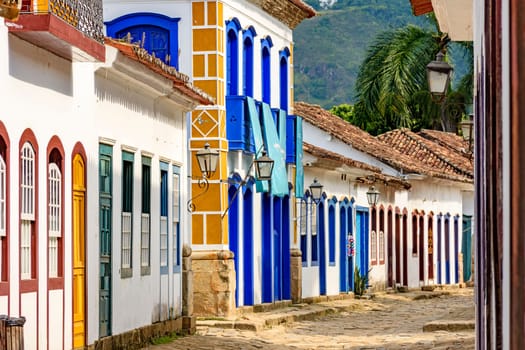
160	33
299	171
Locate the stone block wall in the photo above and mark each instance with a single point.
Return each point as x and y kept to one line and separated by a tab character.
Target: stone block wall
213	283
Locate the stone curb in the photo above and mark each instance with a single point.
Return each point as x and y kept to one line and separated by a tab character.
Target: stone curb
290	313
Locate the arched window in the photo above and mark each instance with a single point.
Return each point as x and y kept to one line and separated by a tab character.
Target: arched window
266	45
55	210
156	33
381	236
414	233
28	211
247	56
283	81
331	231
232	57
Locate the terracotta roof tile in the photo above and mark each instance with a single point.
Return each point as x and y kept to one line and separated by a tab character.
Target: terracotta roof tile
181	82
334	160
413	162
441	158
421	7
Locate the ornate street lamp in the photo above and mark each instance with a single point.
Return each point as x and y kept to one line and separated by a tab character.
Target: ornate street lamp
263	167
207	159
263	172
438	76
467	130
316	189
372	196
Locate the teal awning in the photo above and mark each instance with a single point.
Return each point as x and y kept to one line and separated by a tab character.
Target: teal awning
276	152
260	186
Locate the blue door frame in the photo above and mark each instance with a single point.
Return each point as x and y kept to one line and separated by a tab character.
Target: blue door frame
248	244
343	261
322	248
362	245
275	248
233	234
267	234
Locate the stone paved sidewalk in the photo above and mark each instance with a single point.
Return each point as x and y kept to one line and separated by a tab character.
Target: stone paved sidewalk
440	319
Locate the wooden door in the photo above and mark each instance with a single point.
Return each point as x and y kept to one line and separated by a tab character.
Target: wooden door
105	218
79	253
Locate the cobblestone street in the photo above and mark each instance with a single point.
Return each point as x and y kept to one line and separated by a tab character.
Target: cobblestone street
389	321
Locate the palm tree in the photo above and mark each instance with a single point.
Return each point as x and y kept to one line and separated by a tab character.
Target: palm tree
391	86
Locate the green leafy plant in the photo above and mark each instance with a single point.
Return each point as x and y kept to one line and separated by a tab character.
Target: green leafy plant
165	339
360	281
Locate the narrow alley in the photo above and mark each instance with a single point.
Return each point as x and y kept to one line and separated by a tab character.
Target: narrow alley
388	321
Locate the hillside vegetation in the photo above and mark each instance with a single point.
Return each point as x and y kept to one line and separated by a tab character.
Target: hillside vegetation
330	47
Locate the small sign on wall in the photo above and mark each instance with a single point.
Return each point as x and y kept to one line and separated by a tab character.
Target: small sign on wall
350	245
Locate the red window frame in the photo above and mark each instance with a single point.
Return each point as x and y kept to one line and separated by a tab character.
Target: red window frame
4	270
373	237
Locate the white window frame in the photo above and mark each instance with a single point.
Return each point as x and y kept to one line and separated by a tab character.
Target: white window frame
55	217
175	216
25	249
126	240
145	239
27	185
163	241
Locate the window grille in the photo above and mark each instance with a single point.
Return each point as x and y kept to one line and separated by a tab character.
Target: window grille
163	241
381	246
55	199
126	239
176	218
28	182
373	246
53	256
25	250
144	232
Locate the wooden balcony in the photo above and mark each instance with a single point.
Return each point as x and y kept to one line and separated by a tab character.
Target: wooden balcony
72	29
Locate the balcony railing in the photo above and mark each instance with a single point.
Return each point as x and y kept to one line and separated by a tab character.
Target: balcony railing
75	24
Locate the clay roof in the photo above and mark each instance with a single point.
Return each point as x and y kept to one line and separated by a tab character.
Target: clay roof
426	151
290	12
384	151
181	82
421	7
332	160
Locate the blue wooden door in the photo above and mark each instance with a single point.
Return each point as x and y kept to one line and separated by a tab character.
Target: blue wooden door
248	245
343	258
233	233
322	249
267	235
466	247
105	199
362	240
285	249
276	249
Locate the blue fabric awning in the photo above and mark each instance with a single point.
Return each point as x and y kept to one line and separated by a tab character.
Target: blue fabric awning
260	186
276	152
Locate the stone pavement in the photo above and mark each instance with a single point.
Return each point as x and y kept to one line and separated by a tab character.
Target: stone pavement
439	319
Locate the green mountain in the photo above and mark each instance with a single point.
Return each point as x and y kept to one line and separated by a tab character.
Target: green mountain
330	47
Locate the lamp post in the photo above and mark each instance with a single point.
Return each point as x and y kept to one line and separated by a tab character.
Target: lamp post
207	159
438	76
467	131
372	196
263	172
316	189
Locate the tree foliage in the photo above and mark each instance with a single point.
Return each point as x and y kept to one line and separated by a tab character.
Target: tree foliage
391	87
